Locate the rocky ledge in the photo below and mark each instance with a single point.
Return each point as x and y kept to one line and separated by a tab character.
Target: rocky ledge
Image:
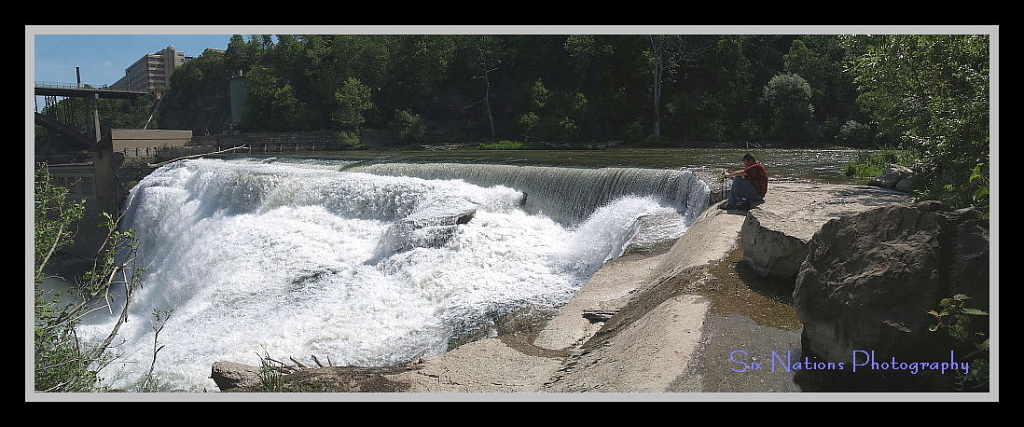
637	324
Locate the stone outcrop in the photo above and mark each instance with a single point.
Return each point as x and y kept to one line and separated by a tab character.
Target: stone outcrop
773	251
231	375
895	177
430	227
775	233
870	279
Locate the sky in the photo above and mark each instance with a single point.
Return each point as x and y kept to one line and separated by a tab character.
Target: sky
102	58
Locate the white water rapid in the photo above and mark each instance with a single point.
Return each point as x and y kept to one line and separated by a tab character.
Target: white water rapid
367	266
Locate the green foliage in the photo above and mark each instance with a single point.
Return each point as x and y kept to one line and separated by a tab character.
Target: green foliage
551	115
503	145
271	379
956	317
198	91
528	122
871	164
352	100
160	318
539	95
271	103
61	362
788	97
829	130
350	139
58	365
979	182
410	127
931	92
117	114
852	133
54	215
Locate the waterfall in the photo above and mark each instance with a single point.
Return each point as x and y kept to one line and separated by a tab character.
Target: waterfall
569	194
368	266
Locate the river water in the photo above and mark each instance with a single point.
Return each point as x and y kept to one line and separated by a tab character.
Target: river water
821	165
378	258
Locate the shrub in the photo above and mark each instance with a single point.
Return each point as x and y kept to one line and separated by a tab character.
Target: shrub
410	127
503	145
61	362
853	134
872	164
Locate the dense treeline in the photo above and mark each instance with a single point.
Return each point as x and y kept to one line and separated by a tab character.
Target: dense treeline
781	89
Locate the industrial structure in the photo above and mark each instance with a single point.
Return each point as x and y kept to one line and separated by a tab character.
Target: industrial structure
152	71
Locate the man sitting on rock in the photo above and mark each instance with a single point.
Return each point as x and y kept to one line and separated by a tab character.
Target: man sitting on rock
749	184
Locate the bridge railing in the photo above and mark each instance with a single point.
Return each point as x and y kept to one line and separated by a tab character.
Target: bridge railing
58	85
83	86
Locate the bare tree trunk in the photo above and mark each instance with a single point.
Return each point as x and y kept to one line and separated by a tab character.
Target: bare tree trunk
487	89
657	67
487	99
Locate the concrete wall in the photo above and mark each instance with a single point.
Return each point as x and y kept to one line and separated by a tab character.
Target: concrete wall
80	180
271	142
146	143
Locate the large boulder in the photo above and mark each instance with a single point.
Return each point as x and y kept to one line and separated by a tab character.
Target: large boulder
870	279
895	177
230	375
775	234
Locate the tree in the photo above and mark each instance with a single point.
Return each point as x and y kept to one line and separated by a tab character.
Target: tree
198	90
271	104
551	115
487	63
820	60
710	96
657	58
408	126
408	69
932	93
236	57
352	100
788	96
702	87
587	57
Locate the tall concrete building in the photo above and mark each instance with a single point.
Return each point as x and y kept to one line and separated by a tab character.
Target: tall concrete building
152	71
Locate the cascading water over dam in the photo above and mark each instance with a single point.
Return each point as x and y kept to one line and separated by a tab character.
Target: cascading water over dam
569	195
371	265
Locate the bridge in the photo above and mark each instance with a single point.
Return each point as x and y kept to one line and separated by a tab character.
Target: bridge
95	181
71	90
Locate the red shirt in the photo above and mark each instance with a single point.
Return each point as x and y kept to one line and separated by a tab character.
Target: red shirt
758	176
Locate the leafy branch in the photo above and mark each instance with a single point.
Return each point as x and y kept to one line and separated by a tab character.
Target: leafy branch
62	361
955	316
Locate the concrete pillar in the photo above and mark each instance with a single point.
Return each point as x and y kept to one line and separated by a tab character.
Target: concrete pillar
108	191
96	117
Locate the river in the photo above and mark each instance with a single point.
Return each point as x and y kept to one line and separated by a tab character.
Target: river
818	164
377	258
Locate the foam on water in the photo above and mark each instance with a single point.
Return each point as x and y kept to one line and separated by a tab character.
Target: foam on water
271	258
